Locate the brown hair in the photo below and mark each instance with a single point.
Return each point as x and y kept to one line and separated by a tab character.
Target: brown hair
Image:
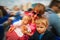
39	8
4	12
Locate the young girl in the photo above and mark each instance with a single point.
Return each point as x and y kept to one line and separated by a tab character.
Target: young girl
21	29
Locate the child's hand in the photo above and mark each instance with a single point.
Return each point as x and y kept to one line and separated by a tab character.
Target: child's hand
23	28
11	29
28	33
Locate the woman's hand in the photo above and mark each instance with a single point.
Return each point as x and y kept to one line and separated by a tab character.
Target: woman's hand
11	29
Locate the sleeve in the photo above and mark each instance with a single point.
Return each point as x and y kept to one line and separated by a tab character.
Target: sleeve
11	36
31	38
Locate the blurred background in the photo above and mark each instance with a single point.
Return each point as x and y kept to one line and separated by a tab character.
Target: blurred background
24	4
13	10
11	3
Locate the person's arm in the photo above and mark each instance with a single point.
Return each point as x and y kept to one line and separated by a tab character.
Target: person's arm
28	33
25	30
55	22
11	28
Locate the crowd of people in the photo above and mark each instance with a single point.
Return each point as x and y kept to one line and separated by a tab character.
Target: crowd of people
37	23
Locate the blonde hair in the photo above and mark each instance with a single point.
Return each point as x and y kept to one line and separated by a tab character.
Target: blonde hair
26	17
42	21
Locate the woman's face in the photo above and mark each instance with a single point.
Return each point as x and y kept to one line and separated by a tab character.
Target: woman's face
55	8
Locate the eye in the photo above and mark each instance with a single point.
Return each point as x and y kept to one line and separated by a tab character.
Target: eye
37	26
41	27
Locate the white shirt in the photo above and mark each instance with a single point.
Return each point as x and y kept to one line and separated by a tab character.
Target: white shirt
18	32
18	23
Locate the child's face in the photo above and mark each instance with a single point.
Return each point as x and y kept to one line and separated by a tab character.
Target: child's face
41	28
26	20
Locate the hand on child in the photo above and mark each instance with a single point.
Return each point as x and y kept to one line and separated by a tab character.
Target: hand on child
28	33
11	29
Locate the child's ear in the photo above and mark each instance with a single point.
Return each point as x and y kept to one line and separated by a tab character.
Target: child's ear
46	27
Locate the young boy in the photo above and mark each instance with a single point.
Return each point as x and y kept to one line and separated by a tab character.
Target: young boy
41	31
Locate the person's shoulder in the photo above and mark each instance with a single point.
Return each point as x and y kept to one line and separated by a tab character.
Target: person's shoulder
17	22
49	34
34	36
44	18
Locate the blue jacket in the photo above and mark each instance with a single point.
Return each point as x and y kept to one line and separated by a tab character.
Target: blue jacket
54	21
47	36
